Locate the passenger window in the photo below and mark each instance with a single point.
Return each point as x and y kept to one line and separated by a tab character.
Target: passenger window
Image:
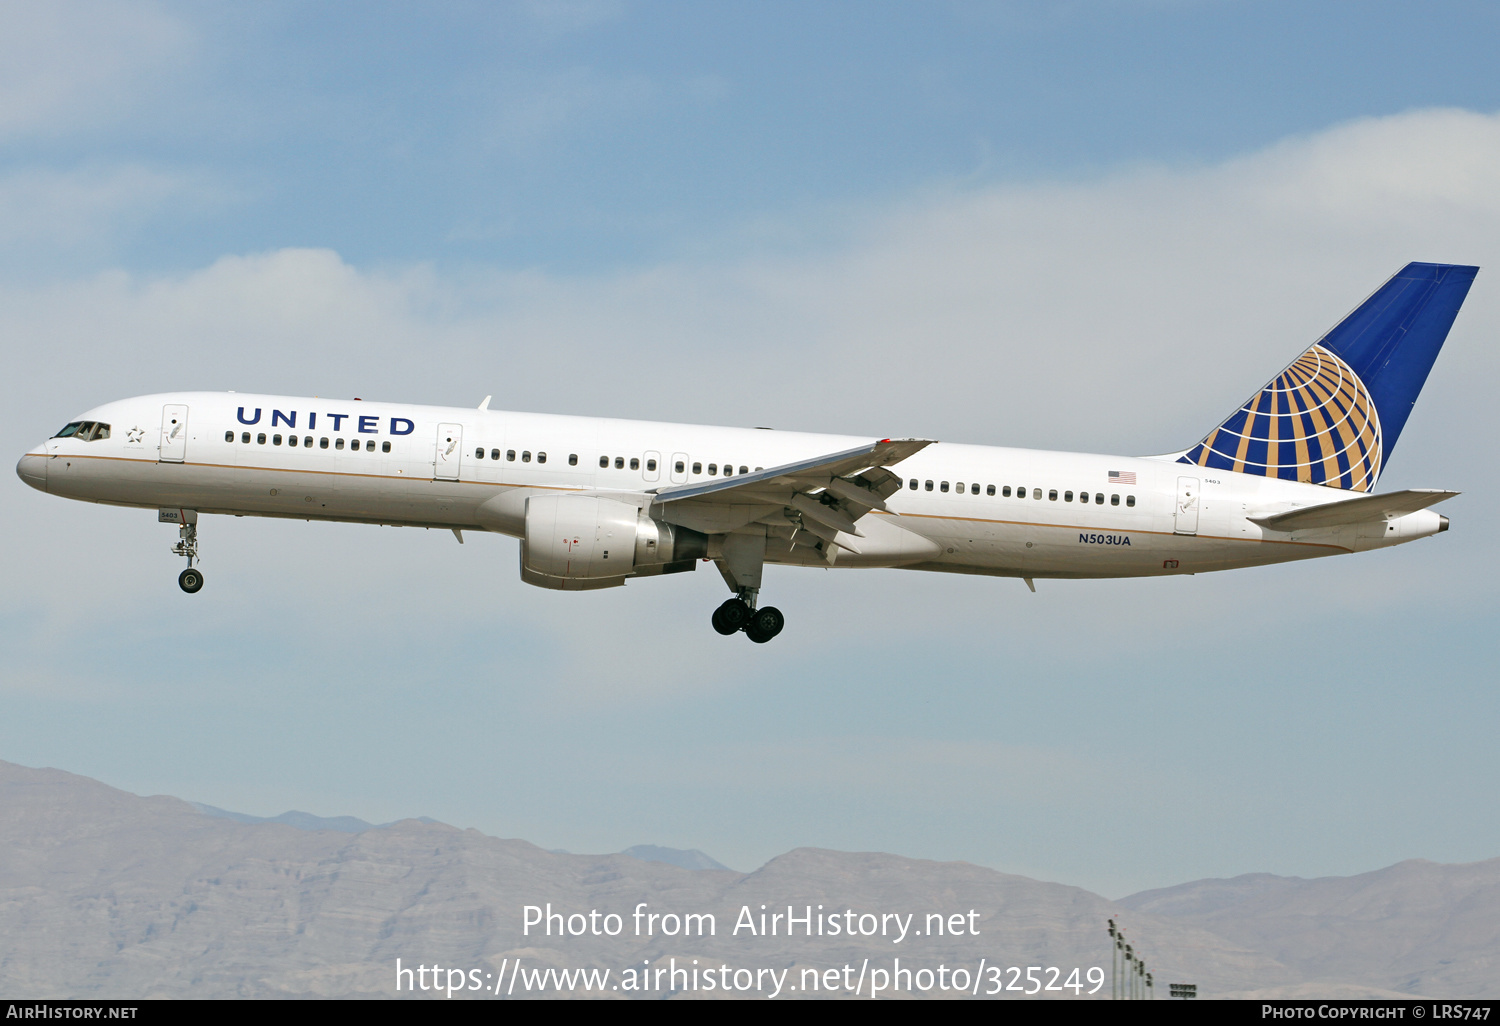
913	484
1130	500
260	439
338	443
678	467
229	436
604	462
479	453
1036	493
386	447
1052	494
697	468
494	453
1099	498
989	489
307	441
651	466
541	457
959	488
1114	500
572	458
713	469
635	463
245	438
510	454
1005	491
929	485
1068	496
275	439
743	470
370	445
322	443
943	487
619	462
291	440
526	456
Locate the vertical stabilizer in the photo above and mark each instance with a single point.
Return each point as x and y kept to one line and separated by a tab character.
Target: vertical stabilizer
1334	415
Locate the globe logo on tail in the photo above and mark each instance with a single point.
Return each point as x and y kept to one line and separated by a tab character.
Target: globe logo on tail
1315	422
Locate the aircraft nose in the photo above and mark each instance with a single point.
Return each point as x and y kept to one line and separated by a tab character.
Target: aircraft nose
32	469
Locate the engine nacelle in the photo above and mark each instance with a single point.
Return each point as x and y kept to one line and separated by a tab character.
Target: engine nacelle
577	542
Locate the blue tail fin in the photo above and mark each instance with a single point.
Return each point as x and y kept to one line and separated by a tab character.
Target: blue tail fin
1334	415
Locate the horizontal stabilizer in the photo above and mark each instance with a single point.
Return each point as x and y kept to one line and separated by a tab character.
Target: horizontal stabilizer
1364	509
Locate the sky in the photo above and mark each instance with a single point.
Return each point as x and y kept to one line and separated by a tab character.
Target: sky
1079	225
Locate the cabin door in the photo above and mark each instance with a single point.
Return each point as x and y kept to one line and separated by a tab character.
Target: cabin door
173	447
1188	501
450	452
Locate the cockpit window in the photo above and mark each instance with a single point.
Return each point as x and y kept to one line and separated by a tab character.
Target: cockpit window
84	431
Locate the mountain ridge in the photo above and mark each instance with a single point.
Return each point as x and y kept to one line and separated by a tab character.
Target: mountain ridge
103	893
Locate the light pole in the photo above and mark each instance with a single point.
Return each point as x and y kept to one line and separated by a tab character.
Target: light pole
1114	960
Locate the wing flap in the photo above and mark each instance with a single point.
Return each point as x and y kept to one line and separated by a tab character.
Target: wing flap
1364	509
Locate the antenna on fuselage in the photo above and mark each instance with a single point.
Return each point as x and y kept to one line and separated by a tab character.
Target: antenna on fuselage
486	404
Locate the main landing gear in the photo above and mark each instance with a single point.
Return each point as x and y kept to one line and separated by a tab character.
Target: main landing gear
191	579
737	614
741	556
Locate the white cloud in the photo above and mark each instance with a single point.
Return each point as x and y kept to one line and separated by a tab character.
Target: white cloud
71	63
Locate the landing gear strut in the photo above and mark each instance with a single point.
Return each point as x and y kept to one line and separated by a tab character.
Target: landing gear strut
739	614
190	580
740	556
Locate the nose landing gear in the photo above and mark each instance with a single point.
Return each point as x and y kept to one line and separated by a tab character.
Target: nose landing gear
190	580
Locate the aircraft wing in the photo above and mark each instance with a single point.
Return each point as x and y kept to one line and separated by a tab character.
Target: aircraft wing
829	492
1354	511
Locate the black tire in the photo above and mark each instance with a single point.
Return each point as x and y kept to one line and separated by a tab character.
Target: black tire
190	580
733	614
721	626
765	624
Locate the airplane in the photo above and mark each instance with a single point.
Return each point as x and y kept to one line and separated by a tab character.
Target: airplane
595	502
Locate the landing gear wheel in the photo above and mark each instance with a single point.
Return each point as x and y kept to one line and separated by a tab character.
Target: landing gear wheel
190	580
765	624
731	617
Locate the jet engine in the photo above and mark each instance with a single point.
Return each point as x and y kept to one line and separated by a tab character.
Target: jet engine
578	542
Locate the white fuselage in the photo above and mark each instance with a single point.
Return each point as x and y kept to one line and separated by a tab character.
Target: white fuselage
987	510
